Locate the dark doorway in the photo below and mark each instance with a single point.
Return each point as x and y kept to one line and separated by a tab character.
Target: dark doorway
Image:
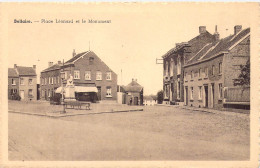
187	100
99	92
213	95
135	100
206	96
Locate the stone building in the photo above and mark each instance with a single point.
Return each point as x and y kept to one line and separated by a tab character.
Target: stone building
209	74
89	73
22	81
174	60
134	93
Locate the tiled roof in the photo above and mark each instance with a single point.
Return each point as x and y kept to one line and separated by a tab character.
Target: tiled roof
217	47
194	43
25	70
133	87
12	72
53	67
75	57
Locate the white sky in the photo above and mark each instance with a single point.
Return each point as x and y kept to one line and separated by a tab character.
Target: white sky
138	34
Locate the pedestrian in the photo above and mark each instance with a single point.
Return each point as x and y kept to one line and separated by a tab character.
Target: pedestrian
130	101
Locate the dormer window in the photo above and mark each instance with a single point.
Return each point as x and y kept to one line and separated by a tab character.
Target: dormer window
13	82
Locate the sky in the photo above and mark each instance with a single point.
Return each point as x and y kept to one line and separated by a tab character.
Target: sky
136	36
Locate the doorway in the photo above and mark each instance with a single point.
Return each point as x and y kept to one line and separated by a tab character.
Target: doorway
99	92
186	96
206	100
212	94
22	94
135	100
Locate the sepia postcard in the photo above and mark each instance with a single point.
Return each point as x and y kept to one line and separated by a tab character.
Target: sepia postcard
128	84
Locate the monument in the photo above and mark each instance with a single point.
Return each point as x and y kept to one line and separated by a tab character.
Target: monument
70	90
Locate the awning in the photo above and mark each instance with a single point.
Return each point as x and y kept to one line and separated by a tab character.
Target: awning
85	89
79	89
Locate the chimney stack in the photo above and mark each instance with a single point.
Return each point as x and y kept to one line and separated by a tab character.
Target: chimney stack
237	29
34	67
74	53
216	34
50	64
202	29
15	65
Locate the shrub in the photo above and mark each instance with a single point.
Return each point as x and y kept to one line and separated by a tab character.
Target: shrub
160	97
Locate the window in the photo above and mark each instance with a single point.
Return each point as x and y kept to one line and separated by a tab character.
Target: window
191	93
13	82
45	81
21	81
76	74
171	67
49	80
54	80
206	72
220	68
30	93
87	75
42	80
109	92
99	75
191	75
200	92
58	79
199	72
108	76
178	65
213	70
220	89
30	81
91	60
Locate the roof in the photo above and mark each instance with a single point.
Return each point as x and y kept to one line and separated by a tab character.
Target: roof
133	87
215	48
150	97
28	71
53	67
12	72
195	43
76	57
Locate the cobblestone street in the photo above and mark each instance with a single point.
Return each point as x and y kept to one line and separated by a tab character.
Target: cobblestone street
156	133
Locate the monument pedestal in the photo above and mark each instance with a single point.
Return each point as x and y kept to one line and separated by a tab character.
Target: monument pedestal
70	90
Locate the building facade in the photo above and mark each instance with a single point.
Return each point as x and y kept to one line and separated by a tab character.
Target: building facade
87	70
210	73
22	81
134	93
173	63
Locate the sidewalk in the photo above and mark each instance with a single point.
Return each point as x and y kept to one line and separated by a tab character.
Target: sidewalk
45	109
208	110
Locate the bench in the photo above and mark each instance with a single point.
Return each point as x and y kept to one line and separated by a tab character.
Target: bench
77	104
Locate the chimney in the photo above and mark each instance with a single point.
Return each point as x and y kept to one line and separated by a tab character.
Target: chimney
15	65
216	34
50	64
237	29
133	79
34	67
202	29
59	62
74	53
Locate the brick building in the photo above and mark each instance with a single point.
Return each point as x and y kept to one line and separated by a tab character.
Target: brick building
174	60
88	71
22	81
210	73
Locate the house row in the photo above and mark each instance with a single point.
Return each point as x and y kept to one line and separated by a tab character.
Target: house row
202	71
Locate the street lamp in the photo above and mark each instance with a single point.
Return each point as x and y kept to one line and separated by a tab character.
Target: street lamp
62	75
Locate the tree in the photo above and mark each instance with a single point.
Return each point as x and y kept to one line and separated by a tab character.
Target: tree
244	76
160	97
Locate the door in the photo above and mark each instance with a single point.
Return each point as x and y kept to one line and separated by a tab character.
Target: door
206	96
22	94
99	92
212	95
186	96
135	100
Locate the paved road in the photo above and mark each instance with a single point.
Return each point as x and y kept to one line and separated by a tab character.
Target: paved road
157	133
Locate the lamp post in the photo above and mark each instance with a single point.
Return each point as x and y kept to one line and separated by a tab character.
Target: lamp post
62	75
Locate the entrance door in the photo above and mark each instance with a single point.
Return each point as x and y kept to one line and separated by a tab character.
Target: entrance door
212	95
206	96
99	92
186	96
22	94
135	100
